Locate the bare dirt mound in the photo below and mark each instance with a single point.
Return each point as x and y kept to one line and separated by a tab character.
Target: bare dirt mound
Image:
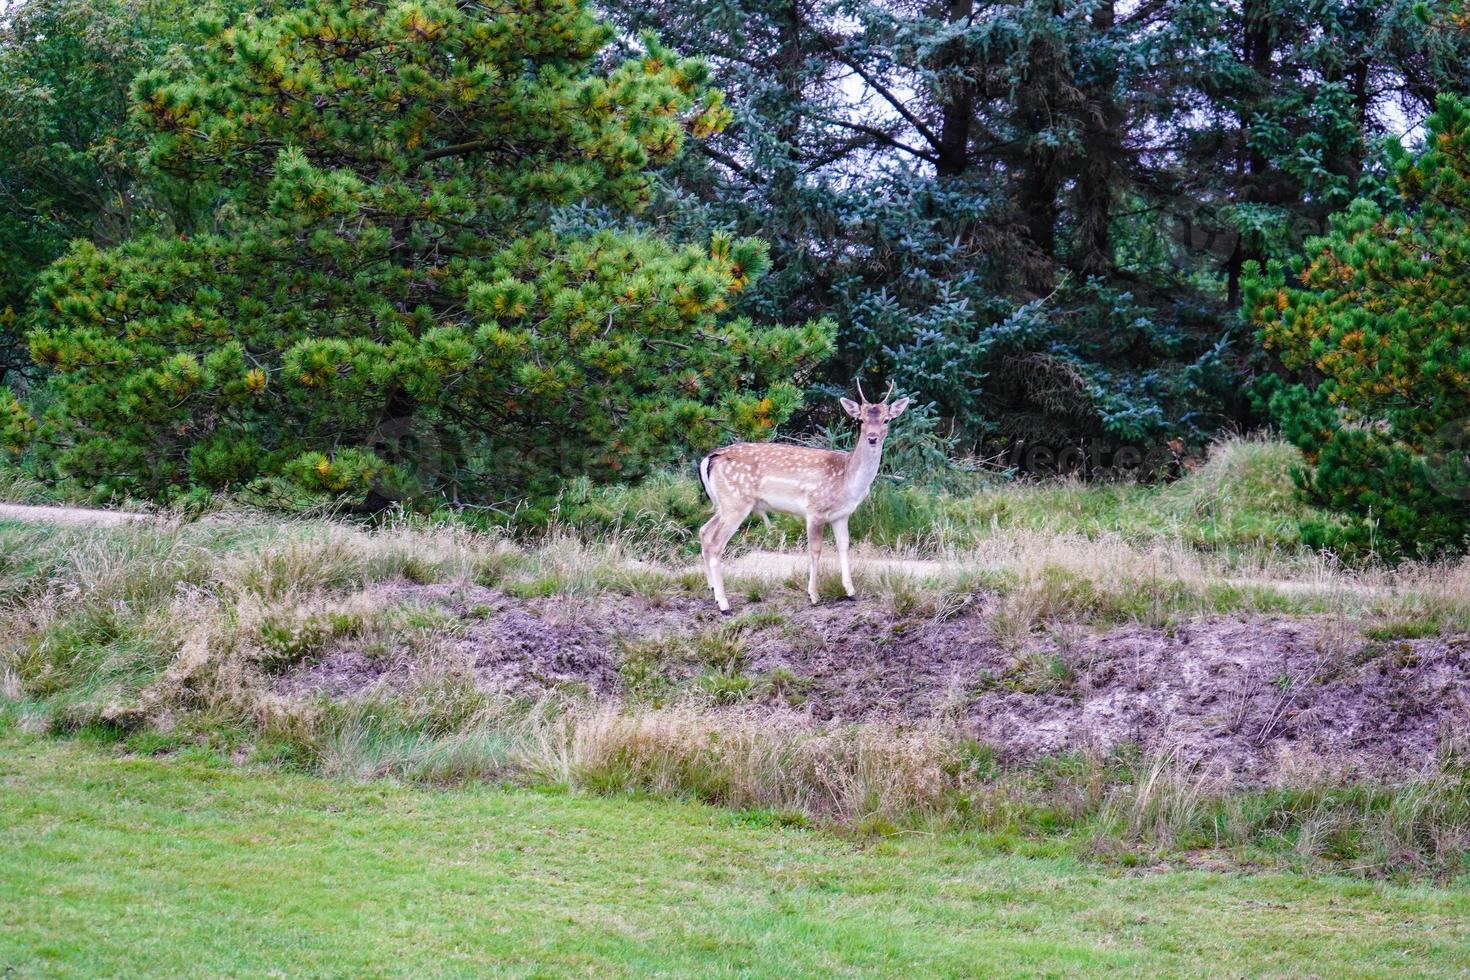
1243	695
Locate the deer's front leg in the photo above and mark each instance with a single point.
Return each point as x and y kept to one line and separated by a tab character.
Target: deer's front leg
814	552
839	538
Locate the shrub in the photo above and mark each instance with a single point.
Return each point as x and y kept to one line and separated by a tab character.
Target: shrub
1378	327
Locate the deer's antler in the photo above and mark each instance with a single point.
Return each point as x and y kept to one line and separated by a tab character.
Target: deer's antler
860	391
889	394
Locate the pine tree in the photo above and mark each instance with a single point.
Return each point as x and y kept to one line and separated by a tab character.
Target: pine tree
387	301
1382	321
69	169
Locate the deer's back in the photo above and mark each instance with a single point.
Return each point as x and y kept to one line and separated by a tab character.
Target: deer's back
778	472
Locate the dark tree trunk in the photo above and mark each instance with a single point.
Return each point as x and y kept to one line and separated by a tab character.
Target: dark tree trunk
1037	102
1102	129
1358	85
1258	33
789	58
398	411
1233	265
1039	188
958	111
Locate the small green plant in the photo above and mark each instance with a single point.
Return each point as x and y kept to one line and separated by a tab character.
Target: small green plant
1405	629
785	685
985	681
724	687
971	760
723	648
647	668
490	570
294	639
759	619
537	588
1038	672
713	662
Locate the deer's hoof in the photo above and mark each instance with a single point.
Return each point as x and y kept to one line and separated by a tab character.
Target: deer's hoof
727	612
850	597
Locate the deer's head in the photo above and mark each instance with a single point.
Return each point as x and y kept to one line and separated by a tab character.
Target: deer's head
874	416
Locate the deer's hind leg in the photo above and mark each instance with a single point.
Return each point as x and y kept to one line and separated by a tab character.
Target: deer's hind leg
707	535
713	537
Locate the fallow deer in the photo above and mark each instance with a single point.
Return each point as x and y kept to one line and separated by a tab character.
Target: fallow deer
821	485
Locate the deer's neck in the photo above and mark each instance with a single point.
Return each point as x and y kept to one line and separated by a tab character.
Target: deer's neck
862	468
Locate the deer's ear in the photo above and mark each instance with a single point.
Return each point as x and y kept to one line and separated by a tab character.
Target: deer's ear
896	409
851	408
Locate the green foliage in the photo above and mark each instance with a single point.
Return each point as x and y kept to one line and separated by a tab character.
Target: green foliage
1379	324
382	304
70	166
365	250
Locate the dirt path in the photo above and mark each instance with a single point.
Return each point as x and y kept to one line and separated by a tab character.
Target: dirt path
778	565
29	514
762	565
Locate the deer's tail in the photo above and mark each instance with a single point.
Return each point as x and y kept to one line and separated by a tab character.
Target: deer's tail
704	465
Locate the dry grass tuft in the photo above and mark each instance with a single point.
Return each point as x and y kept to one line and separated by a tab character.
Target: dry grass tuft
854	774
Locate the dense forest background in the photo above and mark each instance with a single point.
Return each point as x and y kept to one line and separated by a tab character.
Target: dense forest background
1039	216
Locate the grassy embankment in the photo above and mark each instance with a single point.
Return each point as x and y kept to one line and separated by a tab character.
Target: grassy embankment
142	866
167	636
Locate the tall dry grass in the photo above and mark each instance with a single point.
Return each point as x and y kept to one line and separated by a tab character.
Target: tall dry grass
882	778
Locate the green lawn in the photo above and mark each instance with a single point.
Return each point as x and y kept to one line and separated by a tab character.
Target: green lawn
138	865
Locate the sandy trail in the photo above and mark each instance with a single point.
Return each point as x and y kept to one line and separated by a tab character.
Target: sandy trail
778	565
762	565
27	513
